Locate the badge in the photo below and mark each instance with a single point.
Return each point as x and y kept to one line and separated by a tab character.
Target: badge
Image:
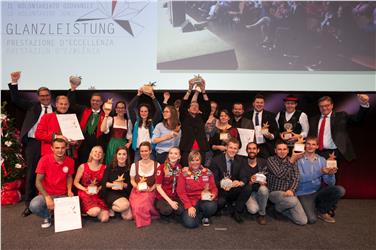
205	178
65	169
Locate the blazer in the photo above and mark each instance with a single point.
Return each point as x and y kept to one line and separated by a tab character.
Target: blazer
218	166
338	127
33	110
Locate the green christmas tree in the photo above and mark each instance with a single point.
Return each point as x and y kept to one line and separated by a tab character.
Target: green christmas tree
12	163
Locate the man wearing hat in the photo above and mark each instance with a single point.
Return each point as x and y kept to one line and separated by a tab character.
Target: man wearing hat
292	123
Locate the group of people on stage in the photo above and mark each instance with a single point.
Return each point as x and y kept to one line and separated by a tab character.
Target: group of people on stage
186	162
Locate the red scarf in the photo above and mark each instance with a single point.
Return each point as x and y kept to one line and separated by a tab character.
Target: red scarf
85	116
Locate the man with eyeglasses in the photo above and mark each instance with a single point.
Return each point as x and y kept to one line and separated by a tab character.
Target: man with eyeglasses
330	127
32	146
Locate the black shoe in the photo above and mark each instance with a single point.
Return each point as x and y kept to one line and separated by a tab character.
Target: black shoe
237	217
26	212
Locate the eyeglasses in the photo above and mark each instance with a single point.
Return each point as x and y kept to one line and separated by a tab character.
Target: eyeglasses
44	95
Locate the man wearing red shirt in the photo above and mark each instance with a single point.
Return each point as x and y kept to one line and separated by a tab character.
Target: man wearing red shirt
54	179
49	128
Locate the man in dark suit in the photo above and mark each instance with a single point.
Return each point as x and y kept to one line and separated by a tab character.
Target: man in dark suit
34	112
238	120
330	127
229	166
266	128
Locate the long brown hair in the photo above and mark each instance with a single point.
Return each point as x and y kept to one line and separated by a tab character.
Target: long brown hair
114	162
173	122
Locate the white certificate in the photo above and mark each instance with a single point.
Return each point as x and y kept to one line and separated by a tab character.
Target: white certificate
67	214
70	127
246	136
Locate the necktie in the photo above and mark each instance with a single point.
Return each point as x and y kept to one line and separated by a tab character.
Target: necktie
257	119
229	166
321	133
45	109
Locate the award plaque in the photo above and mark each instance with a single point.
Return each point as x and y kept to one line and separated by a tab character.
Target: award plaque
224	136
260	178
265	128
142	185
118	184
287	134
299	146
206	194
92	188
75	80
148	88
331	162
226	183
107	106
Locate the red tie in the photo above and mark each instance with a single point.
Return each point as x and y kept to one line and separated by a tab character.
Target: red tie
321	133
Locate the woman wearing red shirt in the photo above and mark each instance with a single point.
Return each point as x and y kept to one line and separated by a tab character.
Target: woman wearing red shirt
197	191
166	180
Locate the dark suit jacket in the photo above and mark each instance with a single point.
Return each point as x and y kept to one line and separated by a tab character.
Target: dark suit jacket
338	128
244	123
33	110
218	166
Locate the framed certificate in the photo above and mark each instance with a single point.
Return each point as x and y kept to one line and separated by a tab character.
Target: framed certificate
67	214
70	127
246	136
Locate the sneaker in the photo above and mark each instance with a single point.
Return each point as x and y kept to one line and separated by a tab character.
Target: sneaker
261	219
46	223
205	222
237	217
327	218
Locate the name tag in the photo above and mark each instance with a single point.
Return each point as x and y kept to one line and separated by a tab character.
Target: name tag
205	178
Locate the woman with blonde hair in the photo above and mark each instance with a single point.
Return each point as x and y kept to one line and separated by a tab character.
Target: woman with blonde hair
88	178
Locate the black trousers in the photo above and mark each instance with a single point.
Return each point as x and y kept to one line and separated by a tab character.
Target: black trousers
239	195
166	210
32	155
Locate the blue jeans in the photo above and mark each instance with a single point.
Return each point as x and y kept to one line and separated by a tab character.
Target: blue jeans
204	209
288	206
323	201
38	206
258	200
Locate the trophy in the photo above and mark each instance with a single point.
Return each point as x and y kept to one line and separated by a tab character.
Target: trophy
224	136
107	106
286	135
331	162
92	188
147	88
299	146
198	83
206	194
142	185
260	178
118	184
226	182
75	80
265	128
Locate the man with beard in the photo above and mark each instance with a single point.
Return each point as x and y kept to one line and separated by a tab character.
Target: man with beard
255	185
238	120
283	179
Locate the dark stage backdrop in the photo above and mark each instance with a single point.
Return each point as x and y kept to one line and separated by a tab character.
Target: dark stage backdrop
358	176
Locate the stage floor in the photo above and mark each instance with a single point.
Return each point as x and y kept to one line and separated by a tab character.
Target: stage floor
355	229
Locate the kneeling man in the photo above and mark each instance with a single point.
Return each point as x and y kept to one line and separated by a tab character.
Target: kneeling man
54	179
